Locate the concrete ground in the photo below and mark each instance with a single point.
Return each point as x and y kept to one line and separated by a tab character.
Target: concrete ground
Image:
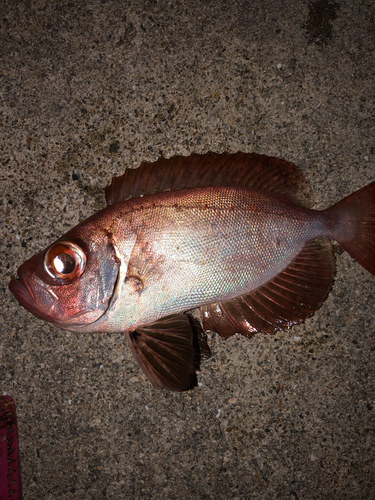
89	88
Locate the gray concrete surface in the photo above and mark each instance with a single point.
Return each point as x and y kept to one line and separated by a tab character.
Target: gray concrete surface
90	87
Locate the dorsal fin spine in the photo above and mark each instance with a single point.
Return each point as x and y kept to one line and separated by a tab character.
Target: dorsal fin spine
205	175
150	177
165	176
136	183
196	169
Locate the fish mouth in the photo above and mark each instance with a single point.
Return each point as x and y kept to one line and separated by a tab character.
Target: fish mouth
24	294
22	291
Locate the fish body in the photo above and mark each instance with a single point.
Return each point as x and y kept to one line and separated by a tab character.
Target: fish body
184	248
240	249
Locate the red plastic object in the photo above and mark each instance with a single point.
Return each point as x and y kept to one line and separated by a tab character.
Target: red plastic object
10	472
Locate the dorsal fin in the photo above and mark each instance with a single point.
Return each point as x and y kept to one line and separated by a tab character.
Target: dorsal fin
249	170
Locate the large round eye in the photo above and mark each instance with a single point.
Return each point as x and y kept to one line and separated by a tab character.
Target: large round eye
65	260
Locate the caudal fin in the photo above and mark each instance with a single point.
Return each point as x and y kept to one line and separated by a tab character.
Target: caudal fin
359	206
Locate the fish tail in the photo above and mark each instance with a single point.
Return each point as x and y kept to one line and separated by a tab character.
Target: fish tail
353	225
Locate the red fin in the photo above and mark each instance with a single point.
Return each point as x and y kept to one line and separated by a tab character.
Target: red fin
165	351
361	204
241	169
288	299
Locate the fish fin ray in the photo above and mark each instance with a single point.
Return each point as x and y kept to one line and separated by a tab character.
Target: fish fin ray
362	246
166	351
286	300
249	170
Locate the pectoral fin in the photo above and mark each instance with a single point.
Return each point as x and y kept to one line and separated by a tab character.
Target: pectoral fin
166	350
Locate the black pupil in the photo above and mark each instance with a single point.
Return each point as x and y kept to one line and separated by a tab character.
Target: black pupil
67	263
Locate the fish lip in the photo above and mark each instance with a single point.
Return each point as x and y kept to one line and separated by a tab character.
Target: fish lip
24	294
19	286
26	283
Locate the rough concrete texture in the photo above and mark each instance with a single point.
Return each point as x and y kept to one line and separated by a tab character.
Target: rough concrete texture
91	87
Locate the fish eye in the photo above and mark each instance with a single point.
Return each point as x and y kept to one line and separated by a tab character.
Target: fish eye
64	263
65	260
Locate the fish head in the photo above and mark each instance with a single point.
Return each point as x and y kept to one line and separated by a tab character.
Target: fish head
71	282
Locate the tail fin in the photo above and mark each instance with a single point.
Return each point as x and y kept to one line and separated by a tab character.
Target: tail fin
361	204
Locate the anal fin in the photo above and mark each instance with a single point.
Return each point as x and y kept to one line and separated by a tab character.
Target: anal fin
168	351
288	299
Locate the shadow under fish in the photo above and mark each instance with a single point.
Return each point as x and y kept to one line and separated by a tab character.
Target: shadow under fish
214	242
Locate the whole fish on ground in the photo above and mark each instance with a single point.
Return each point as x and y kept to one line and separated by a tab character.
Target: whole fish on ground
226	236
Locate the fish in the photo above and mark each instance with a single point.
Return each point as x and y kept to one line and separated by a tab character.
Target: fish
189	245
